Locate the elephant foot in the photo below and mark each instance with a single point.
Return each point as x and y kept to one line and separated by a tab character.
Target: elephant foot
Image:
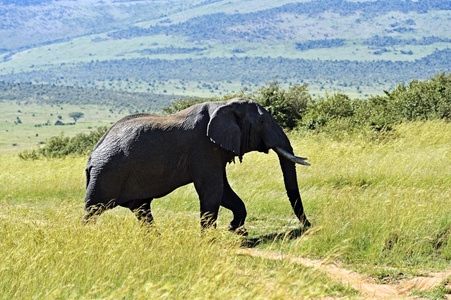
145	221
304	222
86	220
92	213
150	229
144	216
242	231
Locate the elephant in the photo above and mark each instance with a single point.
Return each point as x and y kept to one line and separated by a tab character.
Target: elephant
145	156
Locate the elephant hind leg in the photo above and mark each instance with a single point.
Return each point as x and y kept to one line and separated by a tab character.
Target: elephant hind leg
95	202
93	211
141	209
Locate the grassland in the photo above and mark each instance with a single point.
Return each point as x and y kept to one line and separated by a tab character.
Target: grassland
37	122
379	206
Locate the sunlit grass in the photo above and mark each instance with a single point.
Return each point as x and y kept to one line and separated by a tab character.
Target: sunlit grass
47	253
33	117
41	181
382	206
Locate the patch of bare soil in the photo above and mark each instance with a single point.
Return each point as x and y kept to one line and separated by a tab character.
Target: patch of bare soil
365	285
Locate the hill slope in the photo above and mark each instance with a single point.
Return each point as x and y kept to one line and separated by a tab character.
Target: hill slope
39	22
175	45
27	93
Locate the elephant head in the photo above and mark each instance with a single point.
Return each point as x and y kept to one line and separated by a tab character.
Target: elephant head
242	126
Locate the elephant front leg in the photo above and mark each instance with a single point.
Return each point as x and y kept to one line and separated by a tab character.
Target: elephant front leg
233	202
144	214
141	209
208	216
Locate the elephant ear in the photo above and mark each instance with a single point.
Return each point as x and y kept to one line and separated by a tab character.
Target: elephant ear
224	130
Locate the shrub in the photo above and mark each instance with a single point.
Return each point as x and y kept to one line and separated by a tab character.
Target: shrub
332	107
59	146
56	146
375	113
422	100
418	100
287	107
337	113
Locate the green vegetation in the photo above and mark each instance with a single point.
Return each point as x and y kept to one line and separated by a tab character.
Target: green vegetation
418	100
76	115
247	70
39	122
28	93
175	47
382	207
295	108
60	146
287	107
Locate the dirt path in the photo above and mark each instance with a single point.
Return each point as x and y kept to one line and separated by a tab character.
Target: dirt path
365	285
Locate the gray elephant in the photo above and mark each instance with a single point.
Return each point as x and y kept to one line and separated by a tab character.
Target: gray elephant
144	156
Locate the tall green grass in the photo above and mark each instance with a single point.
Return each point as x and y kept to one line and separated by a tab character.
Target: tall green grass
380	205
47	254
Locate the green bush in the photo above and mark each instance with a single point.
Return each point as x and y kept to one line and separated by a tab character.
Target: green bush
286	106
294	107
418	100
376	113
59	146
422	100
322	111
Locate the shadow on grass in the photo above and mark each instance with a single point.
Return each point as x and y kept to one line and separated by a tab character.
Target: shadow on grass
271	237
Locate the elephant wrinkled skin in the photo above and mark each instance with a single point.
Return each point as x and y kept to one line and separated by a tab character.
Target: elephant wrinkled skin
144	156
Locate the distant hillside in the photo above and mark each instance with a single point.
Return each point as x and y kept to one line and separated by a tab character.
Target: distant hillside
264	25
250	71
26	93
42	22
332	43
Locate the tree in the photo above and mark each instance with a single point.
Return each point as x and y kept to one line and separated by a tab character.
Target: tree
76	115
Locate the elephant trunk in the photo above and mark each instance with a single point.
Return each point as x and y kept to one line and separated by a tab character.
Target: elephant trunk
287	163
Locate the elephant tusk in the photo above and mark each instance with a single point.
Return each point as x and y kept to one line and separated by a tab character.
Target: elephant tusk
291	157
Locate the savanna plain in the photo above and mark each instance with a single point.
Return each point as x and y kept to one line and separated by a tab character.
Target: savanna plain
380	206
377	191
